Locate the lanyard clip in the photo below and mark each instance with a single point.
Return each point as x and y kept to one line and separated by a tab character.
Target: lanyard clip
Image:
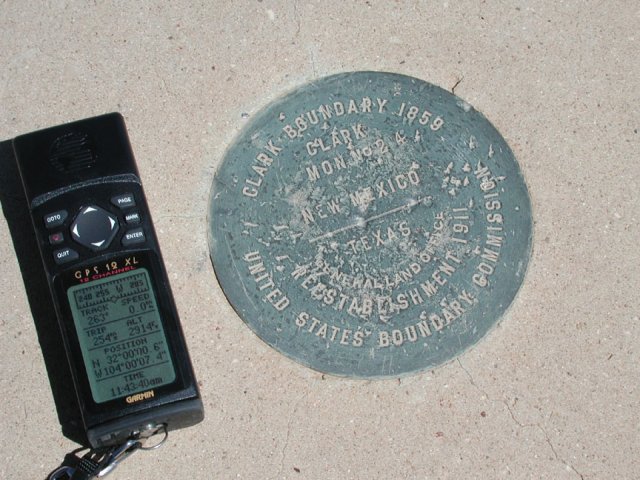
97	463
100	463
116	456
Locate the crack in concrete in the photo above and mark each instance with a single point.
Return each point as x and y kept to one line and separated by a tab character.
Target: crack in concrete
184	216
283	451
296	17
523	425
313	62
555	453
546	437
458	81
471	379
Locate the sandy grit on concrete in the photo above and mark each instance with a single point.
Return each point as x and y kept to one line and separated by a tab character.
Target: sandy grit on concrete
552	392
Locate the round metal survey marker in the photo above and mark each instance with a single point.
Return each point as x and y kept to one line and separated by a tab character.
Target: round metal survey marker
370	225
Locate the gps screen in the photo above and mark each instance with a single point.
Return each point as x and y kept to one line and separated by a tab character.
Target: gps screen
121	337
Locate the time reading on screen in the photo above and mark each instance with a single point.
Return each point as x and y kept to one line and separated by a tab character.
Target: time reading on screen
121	337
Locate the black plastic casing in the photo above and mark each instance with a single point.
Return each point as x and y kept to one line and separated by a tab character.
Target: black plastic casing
85	163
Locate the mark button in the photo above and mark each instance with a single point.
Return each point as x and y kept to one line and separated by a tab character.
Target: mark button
132	218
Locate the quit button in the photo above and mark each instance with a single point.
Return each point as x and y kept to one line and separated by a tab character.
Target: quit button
65	255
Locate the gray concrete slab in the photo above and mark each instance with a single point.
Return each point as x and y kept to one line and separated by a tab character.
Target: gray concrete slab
551	393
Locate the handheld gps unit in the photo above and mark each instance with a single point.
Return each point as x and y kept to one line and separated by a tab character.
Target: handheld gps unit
128	358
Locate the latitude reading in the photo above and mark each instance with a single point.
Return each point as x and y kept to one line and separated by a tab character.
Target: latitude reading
370	225
121	336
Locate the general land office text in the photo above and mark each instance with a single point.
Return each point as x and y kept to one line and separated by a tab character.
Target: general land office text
421	297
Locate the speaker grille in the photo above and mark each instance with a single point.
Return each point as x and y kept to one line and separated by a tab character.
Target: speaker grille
72	153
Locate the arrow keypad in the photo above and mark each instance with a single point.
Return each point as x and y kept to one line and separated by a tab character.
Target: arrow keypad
94	228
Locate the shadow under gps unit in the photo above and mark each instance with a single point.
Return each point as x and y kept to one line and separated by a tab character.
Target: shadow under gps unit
14	206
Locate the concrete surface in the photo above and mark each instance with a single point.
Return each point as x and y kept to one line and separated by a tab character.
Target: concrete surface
552	393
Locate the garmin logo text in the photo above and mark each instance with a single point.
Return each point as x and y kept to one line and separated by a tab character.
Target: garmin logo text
140	396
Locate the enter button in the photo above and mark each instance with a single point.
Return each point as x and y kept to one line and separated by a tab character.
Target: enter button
133	237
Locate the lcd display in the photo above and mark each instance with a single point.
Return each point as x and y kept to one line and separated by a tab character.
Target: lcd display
121	337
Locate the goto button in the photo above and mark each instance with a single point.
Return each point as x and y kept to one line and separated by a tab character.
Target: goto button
65	255
124	200
133	237
55	219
